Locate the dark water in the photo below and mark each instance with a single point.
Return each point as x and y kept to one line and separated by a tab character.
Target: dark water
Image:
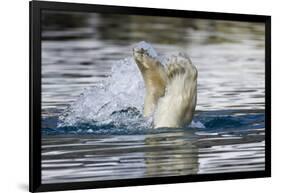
92	98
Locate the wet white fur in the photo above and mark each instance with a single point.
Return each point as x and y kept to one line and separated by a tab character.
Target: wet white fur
177	106
171	90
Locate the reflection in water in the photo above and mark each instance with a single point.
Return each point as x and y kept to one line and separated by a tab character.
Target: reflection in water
78	53
171	154
118	157
71	158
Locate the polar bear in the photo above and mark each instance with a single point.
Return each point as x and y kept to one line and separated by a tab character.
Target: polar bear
170	89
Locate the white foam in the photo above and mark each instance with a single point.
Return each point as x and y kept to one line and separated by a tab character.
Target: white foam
197	124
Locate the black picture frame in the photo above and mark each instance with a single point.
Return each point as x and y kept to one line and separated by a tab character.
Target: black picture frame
35	95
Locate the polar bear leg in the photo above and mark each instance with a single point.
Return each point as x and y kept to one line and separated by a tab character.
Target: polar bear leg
154	77
177	107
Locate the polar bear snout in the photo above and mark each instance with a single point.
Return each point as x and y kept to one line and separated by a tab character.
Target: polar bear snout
139	53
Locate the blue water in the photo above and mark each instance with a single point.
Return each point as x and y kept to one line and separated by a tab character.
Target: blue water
92	98
212	122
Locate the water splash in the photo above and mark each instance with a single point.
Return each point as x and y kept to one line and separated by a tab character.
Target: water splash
118	101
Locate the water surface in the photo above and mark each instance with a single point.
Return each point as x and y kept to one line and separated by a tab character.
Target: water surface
92	97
